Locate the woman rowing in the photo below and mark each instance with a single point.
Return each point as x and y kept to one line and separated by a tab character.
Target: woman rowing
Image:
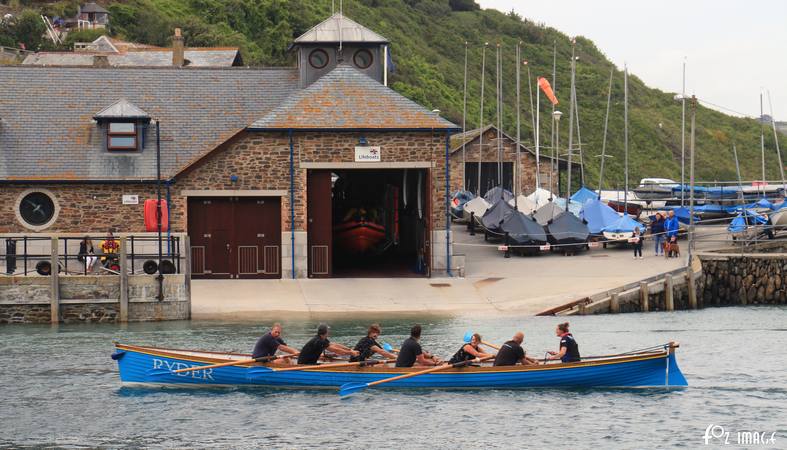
569	349
368	346
470	351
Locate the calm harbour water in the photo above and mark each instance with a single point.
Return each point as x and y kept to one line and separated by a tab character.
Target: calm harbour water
60	388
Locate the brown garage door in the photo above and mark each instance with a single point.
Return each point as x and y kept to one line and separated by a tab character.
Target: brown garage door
235	237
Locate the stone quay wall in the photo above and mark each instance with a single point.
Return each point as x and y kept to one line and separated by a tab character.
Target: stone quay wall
749	279
92	299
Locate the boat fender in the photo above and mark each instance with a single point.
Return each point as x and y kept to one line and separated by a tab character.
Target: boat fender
118	354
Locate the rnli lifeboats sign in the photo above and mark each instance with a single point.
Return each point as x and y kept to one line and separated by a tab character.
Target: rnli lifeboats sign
368	154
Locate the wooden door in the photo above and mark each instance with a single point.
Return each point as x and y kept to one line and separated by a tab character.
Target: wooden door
210	230
427	239
319	202
257	237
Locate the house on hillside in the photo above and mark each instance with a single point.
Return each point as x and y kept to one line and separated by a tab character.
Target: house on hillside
115	53
317	170
91	16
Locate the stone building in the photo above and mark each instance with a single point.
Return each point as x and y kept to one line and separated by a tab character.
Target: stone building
314	171
500	153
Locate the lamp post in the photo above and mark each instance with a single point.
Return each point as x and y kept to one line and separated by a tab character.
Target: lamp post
555	153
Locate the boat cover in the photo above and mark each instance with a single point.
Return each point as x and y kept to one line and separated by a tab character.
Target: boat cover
478	205
496	215
745	219
567	228
682	213
458	201
584	194
624	224
547	212
523	230
598	215
574	207
541	197
496	193
524	204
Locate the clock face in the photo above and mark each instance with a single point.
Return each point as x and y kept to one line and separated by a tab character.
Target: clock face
37	208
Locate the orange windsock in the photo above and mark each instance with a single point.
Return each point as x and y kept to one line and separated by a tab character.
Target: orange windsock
544	85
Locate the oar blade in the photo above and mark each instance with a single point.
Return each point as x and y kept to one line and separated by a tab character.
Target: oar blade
468	336
387	347
351	388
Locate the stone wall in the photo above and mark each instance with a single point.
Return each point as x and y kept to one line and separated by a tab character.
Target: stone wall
93	299
527	168
745	280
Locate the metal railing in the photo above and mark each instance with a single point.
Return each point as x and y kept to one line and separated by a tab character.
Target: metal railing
24	255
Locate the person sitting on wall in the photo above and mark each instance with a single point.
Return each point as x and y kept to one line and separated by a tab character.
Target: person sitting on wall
511	352
87	254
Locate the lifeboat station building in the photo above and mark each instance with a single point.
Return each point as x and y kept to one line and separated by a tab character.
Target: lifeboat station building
318	170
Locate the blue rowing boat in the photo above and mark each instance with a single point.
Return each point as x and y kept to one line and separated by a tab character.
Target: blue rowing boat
150	366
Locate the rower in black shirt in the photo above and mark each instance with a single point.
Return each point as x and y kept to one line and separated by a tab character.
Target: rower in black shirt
271	342
511	353
411	352
311	352
469	351
368	346
569	349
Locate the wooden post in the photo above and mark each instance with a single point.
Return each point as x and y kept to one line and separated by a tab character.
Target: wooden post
692	288
582	309
123	280
643	296
614	303
186	247
54	283
669	303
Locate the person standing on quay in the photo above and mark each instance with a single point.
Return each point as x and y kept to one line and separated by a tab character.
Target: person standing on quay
657	231
638	239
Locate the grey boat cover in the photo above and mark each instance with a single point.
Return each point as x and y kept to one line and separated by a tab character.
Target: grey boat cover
547	212
523	230
567	228
496	215
496	193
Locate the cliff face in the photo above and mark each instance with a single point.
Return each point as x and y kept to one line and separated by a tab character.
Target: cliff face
428	47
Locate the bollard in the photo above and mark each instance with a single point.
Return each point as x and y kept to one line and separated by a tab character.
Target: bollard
508	251
614	303
669	303
643	296
471	225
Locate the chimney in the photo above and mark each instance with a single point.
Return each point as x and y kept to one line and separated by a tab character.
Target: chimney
100	61
178	57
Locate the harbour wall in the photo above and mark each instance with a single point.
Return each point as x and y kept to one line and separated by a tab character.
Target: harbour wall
92	298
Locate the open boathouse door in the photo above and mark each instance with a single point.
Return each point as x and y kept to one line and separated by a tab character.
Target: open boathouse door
369	222
235	237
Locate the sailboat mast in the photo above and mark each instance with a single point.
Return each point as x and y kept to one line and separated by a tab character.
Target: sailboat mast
762	144
518	131
683	139
481	119
625	137
500	118
464	124
555	163
571	121
778	151
604	142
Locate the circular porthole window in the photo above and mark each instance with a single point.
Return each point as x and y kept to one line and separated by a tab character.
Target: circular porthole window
318	58
363	59
36	209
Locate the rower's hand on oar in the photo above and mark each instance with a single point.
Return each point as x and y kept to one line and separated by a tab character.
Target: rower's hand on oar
552	353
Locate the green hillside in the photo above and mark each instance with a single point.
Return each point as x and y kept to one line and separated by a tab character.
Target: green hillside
428	39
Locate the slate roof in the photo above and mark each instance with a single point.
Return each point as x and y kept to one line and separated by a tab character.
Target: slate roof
47	131
92	7
143	57
339	28
345	98
121	109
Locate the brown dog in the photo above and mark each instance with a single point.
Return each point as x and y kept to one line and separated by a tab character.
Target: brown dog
671	248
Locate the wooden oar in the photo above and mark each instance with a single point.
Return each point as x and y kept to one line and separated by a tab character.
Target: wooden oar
368	362
469	336
236	363
349	388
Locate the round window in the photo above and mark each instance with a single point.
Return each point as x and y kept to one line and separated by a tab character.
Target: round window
37	209
318	58
363	59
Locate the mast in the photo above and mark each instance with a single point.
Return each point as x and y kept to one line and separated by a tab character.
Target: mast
499	119
762	144
532	115
464	123
579	139
518	131
625	137
683	138
555	163
481	119
778	151
571	122
604	142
